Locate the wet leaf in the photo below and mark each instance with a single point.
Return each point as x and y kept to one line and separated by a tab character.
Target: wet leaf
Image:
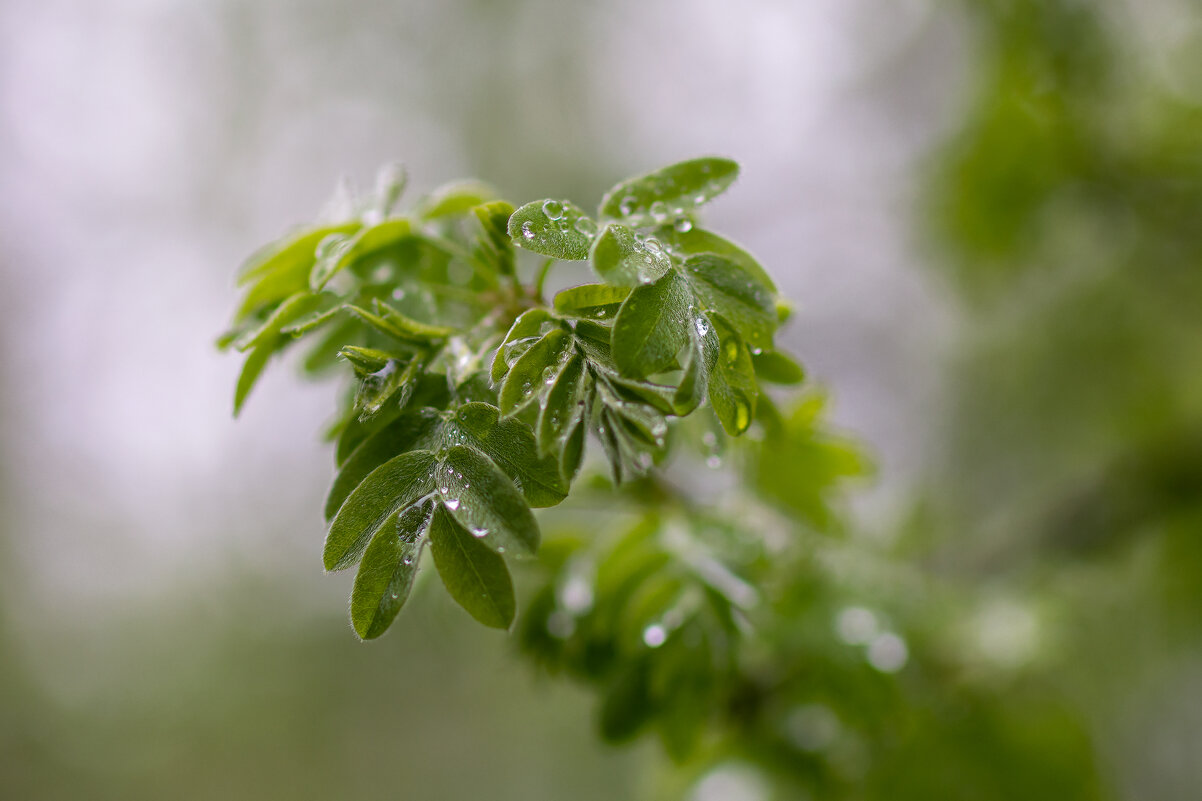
475	576
622	259
391	487
484	500
554	228
591	301
387	570
652	326
723	287
659	196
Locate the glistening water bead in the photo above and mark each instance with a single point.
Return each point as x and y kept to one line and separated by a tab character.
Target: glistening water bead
553	209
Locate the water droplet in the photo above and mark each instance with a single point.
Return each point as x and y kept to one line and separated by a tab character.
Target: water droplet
888	653
709	439
408	560
452	503
856	625
479	533
684	225
398	294
576	595
553	209
500	549
528	230
713	461
586	226
395	595
700	197
655	635
627	206
444	490
659	211
742	415
703	327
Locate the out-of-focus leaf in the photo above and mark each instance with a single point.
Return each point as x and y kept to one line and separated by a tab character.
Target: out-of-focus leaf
659	196
696	241
454	199
339	251
776	367
390	322
252	368
526	327
495	251
475	576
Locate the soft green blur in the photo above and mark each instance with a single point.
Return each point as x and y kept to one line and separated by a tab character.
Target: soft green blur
1039	543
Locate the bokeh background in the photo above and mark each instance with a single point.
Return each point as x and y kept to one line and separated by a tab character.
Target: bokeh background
989	216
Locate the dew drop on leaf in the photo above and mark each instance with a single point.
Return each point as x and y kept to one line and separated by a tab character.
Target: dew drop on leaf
702	326
452	503
586	226
528	230
659	211
684	225
553	209
654	635
627	205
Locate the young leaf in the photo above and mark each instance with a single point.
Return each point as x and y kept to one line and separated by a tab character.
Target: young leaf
344	250
390	322
563	406
534	371
483	499
393	486
776	367
526	326
620	258
732	389
554	228
652	326
289	257
495	250
659	196
387	570
591	301
251	370
294	308
475	576
454	199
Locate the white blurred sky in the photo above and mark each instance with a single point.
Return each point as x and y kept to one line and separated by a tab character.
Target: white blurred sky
147	147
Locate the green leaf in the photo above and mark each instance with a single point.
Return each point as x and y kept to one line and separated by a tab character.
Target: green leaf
394	382
723	287
482	498
295	307
391	322
251	370
778	368
454	199
475	576
534	371
732	388
292	256
412	430
554	228
563	406
387	570
621	258
339	251
696	241
652	326
495	250
627	706
393	486
659	196
510	444
591	301
527	326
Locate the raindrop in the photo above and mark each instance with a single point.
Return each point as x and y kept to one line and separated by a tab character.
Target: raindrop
888	653
479	533
528	230
654	635
553	209
627	206
684	225
586	226
713	461
452	503
856	625
659	211
703	327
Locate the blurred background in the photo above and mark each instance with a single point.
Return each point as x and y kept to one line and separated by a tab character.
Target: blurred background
988	214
